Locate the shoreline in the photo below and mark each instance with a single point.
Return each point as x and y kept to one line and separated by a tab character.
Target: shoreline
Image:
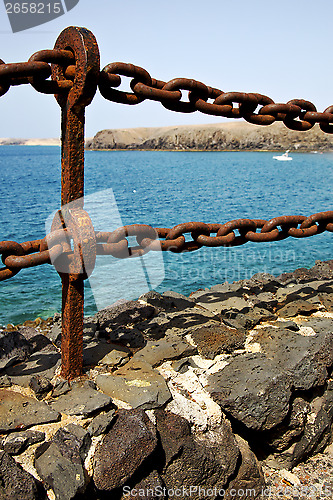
56	143
321	270
209	150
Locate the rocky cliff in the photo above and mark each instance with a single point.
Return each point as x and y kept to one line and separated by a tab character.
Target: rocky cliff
230	136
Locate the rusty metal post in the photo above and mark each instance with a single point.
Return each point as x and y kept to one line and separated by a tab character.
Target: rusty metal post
84	47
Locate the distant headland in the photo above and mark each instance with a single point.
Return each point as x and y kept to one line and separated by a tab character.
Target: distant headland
9	141
232	136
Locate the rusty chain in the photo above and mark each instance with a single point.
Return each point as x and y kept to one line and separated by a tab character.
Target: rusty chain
296	114
17	256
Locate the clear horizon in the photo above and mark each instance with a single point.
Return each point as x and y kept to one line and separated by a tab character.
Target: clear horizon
283	53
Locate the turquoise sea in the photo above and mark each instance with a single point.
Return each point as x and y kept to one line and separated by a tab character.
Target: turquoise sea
161	189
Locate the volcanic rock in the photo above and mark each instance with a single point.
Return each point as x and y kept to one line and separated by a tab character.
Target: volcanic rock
173	430
13	348
16	483
100	424
81	401
207	460
170	347
249	476
130	441
19	412
42	363
217	339
302	307
17	442
137	384
305	358
252	390
130	312
316	433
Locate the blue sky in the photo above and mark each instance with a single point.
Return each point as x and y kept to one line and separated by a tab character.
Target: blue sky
279	48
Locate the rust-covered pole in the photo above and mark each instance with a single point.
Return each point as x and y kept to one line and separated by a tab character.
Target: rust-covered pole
73	102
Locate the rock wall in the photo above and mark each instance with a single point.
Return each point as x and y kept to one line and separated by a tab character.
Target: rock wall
200	396
232	136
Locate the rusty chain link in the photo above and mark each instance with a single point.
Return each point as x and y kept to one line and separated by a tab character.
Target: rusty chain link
296	114
17	256
37	71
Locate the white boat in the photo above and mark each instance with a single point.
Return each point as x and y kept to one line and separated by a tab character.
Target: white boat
284	157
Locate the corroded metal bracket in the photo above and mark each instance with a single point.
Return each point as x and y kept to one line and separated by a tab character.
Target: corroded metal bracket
83	45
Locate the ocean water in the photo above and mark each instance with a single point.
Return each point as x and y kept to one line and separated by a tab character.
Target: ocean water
161	189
